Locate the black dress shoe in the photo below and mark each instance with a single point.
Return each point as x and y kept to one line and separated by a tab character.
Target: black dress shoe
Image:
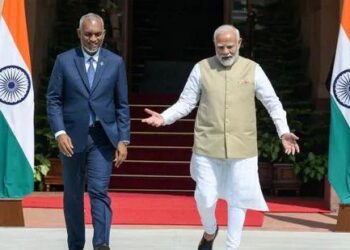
207	244
104	247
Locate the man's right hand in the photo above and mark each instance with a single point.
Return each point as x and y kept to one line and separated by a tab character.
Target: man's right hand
65	145
155	119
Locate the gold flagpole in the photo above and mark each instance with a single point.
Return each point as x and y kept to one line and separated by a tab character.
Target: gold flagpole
1	5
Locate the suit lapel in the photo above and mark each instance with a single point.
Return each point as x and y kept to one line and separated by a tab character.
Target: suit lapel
101	65
80	64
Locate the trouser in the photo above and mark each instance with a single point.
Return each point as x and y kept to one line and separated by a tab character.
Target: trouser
94	165
236	217
234	180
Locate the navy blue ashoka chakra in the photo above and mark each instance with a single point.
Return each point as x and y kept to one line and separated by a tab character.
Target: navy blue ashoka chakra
341	88
14	84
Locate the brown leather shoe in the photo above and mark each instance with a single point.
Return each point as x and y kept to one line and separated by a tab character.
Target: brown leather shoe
207	244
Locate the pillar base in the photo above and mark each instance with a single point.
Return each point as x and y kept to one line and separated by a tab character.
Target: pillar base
343	221
11	213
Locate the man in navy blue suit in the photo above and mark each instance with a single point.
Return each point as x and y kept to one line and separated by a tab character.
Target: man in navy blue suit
88	112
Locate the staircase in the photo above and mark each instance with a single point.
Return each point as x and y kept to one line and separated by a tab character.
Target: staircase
167	41
145	29
158	158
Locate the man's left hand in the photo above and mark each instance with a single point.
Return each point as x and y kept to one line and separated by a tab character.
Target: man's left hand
120	154
289	142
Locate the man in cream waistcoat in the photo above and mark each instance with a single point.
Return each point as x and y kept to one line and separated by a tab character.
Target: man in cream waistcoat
224	160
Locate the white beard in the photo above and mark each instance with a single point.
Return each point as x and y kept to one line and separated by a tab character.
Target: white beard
228	62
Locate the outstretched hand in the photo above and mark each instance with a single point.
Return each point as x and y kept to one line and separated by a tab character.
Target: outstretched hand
289	142
155	118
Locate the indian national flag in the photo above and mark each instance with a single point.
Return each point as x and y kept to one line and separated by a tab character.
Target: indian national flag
16	103
339	144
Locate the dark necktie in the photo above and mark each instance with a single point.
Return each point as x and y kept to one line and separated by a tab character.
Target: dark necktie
91	75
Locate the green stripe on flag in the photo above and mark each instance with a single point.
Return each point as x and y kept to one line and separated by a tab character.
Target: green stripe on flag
16	174
339	154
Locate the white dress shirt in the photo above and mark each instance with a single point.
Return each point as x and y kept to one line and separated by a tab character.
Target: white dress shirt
86	58
263	92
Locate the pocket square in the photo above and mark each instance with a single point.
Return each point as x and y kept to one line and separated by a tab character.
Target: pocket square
243	81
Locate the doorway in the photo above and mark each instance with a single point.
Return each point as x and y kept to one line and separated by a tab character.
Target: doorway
167	39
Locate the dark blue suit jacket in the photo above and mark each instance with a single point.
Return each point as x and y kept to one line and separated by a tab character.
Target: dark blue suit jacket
69	97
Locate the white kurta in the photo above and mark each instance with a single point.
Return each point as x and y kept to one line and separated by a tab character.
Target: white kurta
235	180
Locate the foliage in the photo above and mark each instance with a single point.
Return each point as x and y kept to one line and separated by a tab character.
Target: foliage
278	48
41	169
108	5
45	146
312	128
269	148
314	166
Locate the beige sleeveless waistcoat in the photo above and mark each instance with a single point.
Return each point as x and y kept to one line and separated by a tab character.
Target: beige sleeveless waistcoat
226	121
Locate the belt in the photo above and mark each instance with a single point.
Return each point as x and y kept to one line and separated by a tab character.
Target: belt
95	124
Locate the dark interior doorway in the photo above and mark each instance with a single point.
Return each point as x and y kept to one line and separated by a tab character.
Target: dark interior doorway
168	38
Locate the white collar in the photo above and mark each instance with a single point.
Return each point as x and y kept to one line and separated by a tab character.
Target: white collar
87	56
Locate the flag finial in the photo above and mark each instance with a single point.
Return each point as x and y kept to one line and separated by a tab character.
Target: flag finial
1	5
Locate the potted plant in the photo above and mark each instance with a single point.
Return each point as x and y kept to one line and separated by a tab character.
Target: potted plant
279	173
285	176
268	151
46	165
41	168
312	167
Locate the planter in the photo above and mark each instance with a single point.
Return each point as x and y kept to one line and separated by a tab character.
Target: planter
54	176
11	213
266	176
313	188
285	179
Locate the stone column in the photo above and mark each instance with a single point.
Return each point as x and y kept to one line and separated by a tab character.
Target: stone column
320	20
320	26
40	18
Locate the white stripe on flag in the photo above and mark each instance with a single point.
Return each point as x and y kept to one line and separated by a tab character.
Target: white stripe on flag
341	63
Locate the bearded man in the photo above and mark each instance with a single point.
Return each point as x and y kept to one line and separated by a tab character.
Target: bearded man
224	162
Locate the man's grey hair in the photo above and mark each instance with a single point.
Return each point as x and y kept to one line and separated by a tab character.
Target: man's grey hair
90	16
224	29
